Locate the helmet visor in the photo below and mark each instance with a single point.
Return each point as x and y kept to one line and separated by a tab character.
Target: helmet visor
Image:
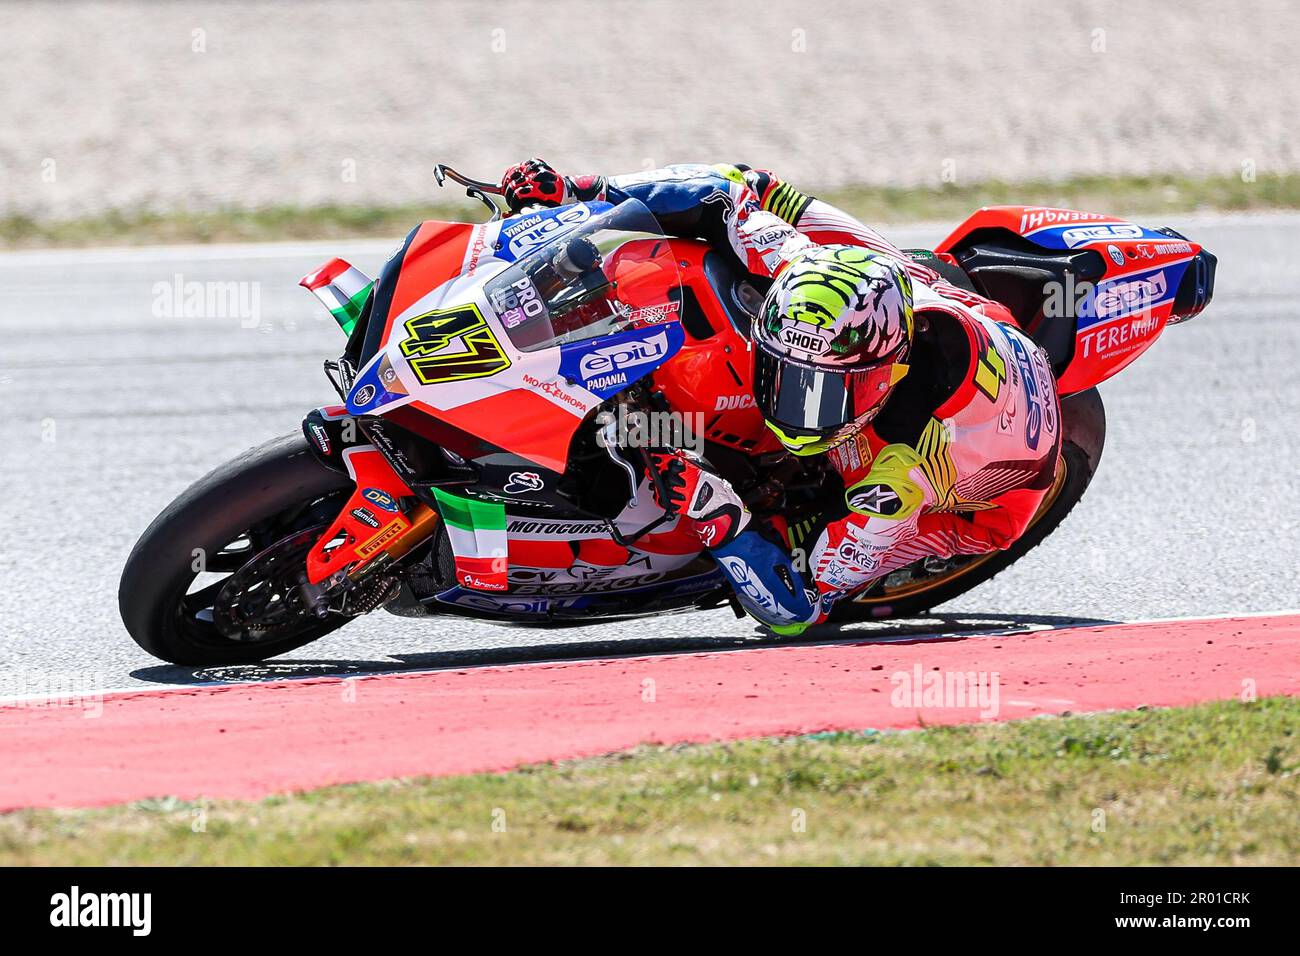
801	400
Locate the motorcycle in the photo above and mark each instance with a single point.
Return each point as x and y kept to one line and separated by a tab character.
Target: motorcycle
498	391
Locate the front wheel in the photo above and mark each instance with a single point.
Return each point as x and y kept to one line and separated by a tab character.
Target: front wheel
265	508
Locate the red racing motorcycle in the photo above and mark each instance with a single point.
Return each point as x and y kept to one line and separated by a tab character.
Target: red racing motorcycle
500	385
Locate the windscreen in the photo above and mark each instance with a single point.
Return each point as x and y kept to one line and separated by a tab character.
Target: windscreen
616	271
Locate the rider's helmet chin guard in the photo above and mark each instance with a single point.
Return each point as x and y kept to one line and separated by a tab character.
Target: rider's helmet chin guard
833	337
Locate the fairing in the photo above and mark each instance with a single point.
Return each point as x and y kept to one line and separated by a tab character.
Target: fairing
1118	316
450	337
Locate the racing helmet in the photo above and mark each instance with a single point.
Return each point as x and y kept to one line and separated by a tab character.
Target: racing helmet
832	340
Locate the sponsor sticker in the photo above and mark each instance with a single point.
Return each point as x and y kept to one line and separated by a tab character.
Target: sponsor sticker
1033	398
383	538
536	230
802	340
875	499
654	314
732	403
1083	235
321	437
517	302
380	499
554	530
1119	338
1044	216
607	365
553	389
522	482
1118	298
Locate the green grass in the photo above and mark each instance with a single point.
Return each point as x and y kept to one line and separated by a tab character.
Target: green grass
1128	196
1213	784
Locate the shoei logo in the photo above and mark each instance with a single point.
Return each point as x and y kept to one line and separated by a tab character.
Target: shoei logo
625	355
1083	235
803	341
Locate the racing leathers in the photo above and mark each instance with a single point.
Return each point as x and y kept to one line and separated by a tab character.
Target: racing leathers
956	463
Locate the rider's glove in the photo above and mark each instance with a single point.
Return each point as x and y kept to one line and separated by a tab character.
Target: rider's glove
765	243
534	183
686	486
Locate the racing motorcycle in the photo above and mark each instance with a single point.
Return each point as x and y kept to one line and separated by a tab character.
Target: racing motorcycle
483	458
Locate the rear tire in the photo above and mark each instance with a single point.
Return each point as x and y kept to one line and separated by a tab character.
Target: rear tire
263	495
1084	422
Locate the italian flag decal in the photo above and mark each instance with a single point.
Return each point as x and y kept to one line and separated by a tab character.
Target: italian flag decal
477	530
342	288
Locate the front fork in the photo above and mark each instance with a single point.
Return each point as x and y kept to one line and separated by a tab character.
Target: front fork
381	522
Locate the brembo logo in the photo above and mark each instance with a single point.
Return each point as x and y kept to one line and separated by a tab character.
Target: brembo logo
623	355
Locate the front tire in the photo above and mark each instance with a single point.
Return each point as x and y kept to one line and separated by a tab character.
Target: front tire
214	528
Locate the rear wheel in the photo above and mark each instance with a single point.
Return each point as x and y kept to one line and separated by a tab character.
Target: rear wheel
921	586
240	534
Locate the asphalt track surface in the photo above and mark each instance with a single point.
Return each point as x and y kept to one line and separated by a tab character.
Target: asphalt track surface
113	409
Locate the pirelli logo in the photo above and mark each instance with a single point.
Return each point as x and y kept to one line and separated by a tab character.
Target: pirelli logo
385	537
786	202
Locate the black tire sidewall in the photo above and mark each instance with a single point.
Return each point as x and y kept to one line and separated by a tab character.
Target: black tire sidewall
265	481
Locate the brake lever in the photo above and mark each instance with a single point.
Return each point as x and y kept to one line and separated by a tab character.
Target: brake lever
443	172
474	189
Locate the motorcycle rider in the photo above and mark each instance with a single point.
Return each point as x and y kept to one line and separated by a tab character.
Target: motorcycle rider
940	416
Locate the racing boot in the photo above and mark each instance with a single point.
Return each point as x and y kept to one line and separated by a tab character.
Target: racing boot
766	582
